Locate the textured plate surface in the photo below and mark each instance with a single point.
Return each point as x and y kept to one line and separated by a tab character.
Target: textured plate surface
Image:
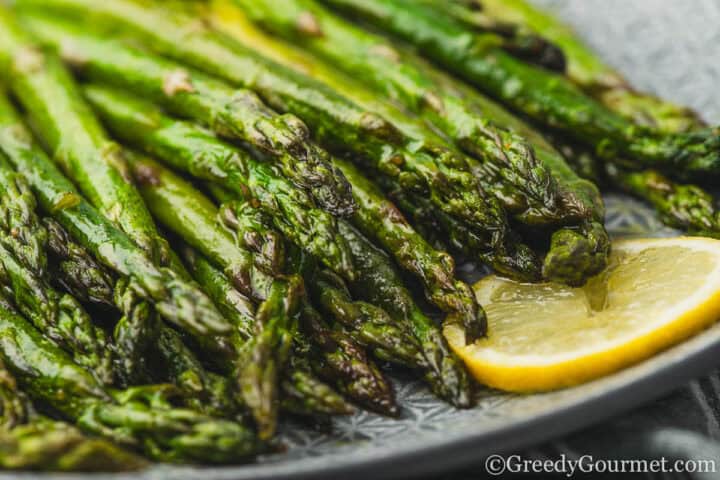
663	46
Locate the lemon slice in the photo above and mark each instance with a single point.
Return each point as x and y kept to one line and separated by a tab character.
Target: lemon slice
654	293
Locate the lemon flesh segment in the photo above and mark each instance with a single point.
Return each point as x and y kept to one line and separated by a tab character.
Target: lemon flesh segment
654	293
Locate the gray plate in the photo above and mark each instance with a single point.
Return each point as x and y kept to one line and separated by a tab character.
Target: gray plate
666	46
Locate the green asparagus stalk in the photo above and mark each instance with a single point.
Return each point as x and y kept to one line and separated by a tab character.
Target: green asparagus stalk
233	22
518	40
304	394
140	417
48	445
586	69
445	232
14	407
235	306
337	122
381	285
380	220
686	207
92	161
265	355
21	231
178	144
543	96
135	347
137	330
190	215
75	269
254	232
370	326
70	131
180	366
343	362
334	355
59	316
29	441
579	250
164	345
300	390
434	269
193	217
79	273
176	299
683	206
233	113
580	199
371	58
175	362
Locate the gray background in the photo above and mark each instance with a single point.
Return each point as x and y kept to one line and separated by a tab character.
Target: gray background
669	47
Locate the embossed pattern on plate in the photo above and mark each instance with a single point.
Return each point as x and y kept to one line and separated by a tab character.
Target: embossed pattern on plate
664	46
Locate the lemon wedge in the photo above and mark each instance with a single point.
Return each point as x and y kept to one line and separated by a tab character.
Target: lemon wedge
654	293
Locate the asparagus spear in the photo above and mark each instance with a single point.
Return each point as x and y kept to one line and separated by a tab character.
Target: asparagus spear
541	95
517	39
580	199
235	306
590	72
301	392
75	269
370	326
381	285
93	162
433	268
233	113
79	273
14	407
176	299
49	445
21	231
686	207
178	143
334	355
178	364
335	121
266	354
381	220
683	206
70	131
192	216
579	250
254	232
59	316
304	394
444	231
204	391
233	22
140	417
175	362
343	362
29	441
369	57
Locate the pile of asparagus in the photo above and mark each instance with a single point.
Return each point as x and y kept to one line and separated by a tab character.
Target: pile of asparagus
216	214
